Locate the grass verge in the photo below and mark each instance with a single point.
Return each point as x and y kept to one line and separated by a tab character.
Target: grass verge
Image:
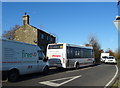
115	85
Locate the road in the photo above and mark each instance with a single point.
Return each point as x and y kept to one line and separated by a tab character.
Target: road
99	75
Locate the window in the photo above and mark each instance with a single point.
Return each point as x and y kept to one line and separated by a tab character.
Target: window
75	52
40	55
104	57
52	39
42	36
86	53
47	37
110	57
81	52
70	52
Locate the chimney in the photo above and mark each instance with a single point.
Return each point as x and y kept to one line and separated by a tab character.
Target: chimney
25	19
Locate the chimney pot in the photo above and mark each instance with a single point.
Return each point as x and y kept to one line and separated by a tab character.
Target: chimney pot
25	13
25	19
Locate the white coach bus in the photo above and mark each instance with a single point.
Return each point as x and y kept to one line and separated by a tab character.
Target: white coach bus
69	56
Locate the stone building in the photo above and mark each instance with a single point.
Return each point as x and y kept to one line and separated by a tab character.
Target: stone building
30	34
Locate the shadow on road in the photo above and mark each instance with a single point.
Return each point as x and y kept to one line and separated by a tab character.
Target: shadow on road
51	72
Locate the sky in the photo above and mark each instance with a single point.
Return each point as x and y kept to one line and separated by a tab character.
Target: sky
71	22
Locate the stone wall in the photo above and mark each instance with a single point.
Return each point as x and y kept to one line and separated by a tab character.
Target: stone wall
26	34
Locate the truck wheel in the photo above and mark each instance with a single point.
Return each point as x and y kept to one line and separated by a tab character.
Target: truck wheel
46	70
13	75
77	66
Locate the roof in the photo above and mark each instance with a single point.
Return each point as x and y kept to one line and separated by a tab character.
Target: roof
42	30
72	45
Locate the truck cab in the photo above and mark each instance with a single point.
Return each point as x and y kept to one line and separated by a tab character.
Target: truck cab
103	57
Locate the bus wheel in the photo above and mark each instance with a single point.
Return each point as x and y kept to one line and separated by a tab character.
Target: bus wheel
77	65
13	75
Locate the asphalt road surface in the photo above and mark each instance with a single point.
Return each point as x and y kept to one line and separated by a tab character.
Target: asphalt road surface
97	76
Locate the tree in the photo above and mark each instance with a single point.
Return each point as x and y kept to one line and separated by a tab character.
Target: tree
87	45
117	54
10	34
101	51
110	52
93	41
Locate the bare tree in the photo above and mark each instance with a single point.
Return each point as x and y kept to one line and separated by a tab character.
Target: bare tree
10	34
110	52
93	41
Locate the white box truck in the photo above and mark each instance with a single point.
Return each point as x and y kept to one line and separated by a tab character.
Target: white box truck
20	58
104	56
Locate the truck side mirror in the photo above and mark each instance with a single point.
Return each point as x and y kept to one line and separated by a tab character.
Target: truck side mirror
40	58
45	59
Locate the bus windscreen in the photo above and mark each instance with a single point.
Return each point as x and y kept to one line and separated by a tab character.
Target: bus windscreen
58	46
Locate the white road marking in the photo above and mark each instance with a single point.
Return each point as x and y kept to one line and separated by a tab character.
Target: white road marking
4	80
112	78
53	84
87	68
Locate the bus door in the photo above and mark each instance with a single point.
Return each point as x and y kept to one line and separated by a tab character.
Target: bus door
70	57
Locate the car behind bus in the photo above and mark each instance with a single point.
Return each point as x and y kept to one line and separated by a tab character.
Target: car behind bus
110	59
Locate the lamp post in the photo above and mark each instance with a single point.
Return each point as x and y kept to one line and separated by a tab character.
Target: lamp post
117	21
117	24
